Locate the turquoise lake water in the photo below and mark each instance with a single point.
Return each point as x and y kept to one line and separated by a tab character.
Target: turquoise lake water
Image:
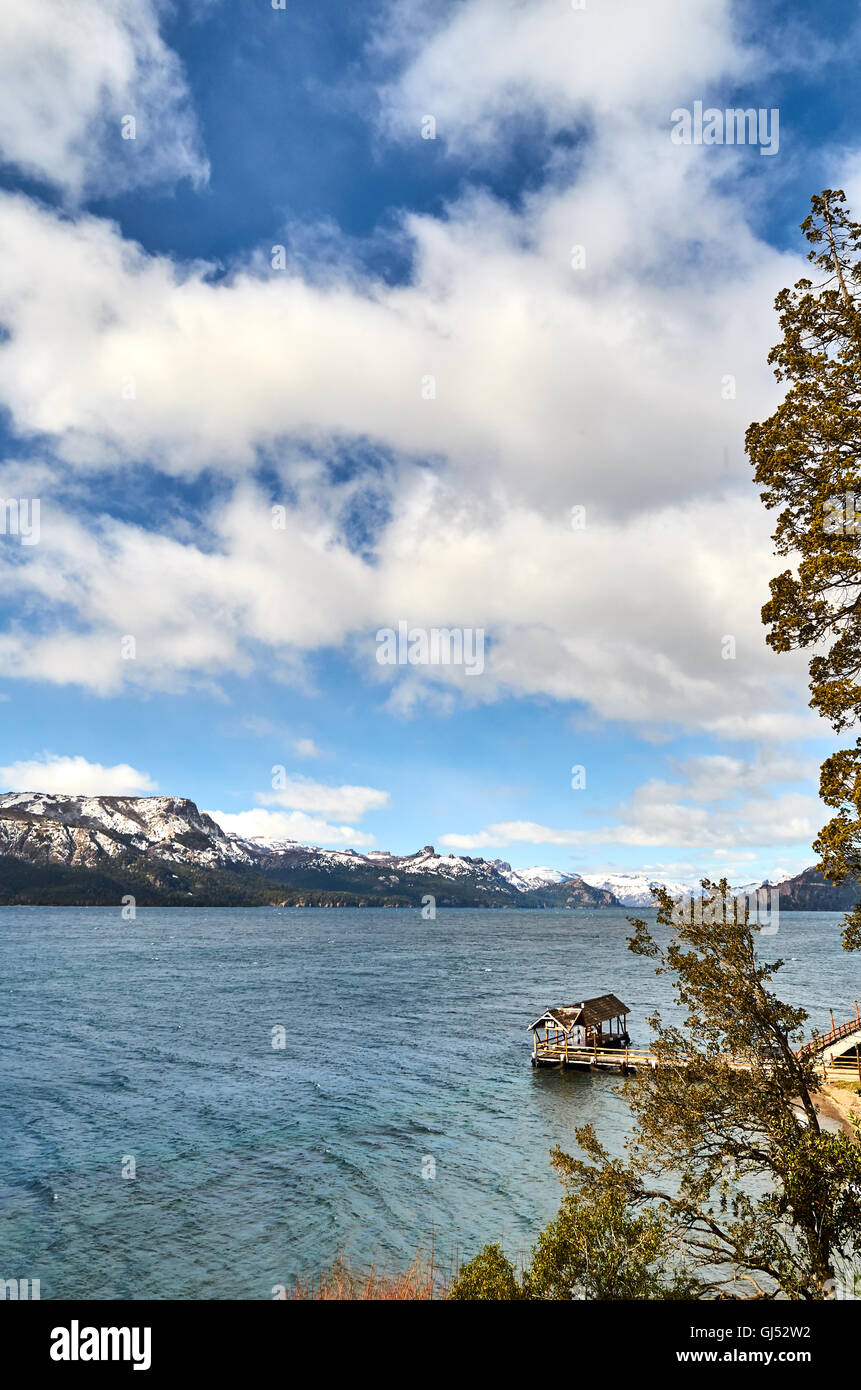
406	1041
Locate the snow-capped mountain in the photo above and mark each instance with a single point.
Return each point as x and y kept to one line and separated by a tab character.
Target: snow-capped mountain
638	889
462	873
538	877
94	849
53	828
635	889
112	843
90	832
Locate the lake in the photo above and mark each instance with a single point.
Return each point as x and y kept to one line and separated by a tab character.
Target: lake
406	1053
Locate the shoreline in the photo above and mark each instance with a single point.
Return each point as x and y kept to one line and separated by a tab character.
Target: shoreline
837	1101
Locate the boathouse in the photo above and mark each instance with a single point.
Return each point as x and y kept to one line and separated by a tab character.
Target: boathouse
562	1035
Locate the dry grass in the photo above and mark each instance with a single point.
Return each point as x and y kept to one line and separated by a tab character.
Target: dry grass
339	1282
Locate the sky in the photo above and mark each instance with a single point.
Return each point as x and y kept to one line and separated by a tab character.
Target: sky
321	319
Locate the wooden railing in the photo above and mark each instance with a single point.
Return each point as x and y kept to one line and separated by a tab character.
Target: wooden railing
841	1030
848	1068
627	1056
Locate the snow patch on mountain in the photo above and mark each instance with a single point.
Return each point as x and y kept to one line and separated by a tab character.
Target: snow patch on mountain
638	889
538	876
52	827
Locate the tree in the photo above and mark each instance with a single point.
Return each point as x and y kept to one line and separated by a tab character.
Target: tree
597	1247
729	1186
604	1244
489	1276
755	1187
807	459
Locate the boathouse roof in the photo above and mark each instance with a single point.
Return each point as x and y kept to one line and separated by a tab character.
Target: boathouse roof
590	1013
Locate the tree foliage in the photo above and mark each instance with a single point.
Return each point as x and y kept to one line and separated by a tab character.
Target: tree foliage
597	1247
736	1158
490	1276
807	460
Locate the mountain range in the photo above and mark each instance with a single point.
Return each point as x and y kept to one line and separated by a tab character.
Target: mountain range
58	848
161	850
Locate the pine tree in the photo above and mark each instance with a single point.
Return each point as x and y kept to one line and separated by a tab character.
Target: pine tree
807	459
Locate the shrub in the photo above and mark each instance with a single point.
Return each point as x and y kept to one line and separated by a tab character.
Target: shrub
489	1276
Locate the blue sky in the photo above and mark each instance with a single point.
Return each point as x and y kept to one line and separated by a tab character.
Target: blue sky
164	386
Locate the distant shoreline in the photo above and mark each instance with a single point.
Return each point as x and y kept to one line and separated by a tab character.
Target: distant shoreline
393	907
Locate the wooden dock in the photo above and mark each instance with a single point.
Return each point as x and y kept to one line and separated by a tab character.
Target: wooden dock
626	1060
837	1051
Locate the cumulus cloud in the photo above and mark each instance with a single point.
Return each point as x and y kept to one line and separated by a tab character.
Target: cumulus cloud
786	820
307	804
493	313
553	387
714	777
70	74
290	825
304	794
720	804
195	608
485	60
563	615
75	775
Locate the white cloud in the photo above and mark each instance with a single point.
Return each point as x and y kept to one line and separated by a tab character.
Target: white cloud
494	312
52	773
716	777
628	639
555	388
69	74
290	825
488	60
721	805
303	794
770	725
785	820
